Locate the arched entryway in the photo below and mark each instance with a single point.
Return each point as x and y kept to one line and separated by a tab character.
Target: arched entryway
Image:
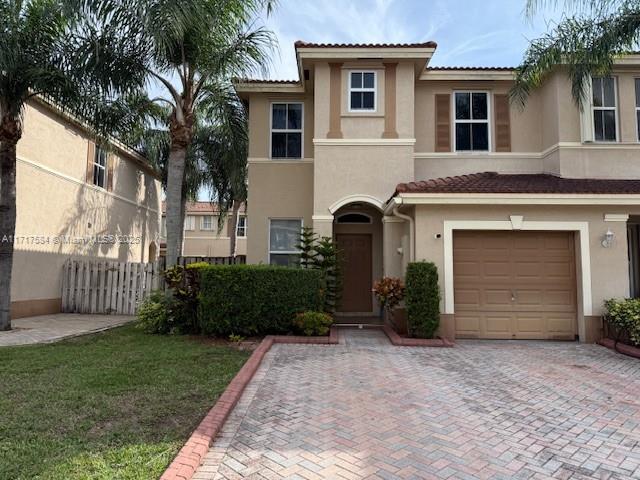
357	228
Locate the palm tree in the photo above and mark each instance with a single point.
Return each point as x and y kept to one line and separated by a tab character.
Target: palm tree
216	160
585	42
189	64
63	50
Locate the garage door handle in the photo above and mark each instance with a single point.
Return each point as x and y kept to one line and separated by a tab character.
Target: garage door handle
514	297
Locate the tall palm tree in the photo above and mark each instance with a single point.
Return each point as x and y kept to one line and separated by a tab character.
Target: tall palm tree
586	41
189	64
216	160
64	50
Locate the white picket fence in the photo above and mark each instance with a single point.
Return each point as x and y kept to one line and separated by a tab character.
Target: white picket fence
107	287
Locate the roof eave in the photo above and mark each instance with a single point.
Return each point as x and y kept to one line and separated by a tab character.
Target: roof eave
417	198
466	74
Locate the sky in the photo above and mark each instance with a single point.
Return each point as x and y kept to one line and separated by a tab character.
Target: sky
468	32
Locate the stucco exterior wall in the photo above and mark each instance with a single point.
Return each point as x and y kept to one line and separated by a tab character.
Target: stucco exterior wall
57	209
277	190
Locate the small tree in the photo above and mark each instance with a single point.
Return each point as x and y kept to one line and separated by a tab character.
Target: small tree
422	299
323	254
389	292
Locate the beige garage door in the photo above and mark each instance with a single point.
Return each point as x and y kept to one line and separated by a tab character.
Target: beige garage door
515	285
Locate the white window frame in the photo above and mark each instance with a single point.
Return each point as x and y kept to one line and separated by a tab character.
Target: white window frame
193	227
96	164
615	110
636	84
245	226
281	252
363	89
487	121
203	226
285	130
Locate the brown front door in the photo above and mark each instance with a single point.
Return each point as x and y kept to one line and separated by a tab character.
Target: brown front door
356	254
515	285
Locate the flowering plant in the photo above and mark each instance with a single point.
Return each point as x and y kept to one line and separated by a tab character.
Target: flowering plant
389	292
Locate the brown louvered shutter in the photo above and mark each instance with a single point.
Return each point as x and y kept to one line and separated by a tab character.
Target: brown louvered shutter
91	153
443	122
110	162
503	123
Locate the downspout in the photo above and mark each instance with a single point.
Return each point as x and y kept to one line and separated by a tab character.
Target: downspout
412	243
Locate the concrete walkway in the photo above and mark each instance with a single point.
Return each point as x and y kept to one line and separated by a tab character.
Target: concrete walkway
481	410
52	328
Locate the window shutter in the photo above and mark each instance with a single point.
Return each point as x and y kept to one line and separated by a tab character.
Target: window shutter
110	162
503	123
443	123
91	153
586	112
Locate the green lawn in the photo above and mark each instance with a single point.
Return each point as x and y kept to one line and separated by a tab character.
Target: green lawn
115	405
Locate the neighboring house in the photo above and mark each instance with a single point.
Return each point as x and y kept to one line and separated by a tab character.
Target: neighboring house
203	236
390	157
75	200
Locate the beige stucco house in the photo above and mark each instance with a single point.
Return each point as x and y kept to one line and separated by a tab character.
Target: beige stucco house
76	200
204	237
531	216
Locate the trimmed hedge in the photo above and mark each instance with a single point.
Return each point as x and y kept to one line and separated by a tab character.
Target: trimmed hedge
422	299
255	299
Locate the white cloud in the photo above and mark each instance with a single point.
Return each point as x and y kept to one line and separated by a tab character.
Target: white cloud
468	32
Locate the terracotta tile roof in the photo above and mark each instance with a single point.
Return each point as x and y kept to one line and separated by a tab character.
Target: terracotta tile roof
492	182
200	207
301	44
260	80
501	69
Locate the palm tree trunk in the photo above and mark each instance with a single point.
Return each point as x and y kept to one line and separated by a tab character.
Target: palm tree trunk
175	178
9	136
234	228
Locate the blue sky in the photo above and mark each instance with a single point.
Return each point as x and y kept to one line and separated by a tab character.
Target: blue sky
468	32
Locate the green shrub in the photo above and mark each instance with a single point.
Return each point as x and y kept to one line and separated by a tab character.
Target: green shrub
623	317
255	299
184	283
154	314
313	323
422	299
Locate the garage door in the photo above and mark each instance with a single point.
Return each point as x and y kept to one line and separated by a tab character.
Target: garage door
515	285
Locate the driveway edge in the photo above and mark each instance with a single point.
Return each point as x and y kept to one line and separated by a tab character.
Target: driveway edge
399	341
190	456
620	347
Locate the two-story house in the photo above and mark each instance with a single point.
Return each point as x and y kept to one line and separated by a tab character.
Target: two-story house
75	199
203	234
529	214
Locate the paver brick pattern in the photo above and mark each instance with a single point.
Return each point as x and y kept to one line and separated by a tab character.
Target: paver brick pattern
482	410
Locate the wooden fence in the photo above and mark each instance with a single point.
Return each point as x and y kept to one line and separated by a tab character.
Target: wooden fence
90	286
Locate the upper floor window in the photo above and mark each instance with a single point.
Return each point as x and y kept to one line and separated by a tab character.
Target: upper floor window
604	109
241	227
207	222
286	130
638	106
284	240
362	91
190	222
100	167
471	121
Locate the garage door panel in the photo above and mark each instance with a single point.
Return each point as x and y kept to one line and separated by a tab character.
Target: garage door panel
515	285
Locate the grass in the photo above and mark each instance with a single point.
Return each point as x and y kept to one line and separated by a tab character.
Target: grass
115	405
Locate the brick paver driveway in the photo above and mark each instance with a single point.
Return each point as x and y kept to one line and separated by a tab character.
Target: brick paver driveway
366	409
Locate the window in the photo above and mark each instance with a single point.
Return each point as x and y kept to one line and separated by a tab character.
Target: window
471	121
163	228
189	222
354	218
286	130
100	168
207	223
362	91
604	109
241	227
638	106
284	238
